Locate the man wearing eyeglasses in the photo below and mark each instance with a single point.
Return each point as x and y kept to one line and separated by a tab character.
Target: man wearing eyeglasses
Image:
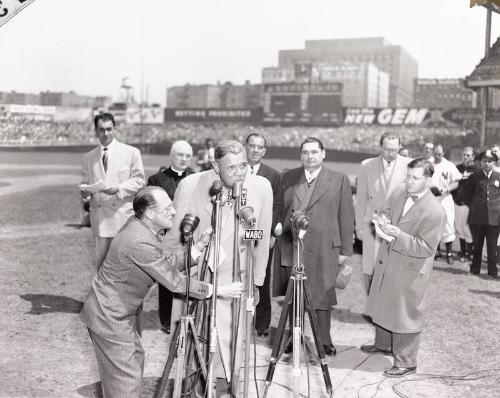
192	196
377	179
135	261
119	167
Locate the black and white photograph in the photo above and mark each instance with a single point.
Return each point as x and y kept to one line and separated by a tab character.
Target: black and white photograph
235	199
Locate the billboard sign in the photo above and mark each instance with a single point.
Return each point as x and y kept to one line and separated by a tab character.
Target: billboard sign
214	115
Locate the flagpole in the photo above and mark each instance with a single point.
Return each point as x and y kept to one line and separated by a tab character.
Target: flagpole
484	90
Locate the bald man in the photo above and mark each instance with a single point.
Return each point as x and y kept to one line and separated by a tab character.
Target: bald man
181	154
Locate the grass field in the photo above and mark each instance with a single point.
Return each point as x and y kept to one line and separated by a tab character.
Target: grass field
45	262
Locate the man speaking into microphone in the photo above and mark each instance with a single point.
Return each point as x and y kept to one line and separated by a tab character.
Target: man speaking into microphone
193	196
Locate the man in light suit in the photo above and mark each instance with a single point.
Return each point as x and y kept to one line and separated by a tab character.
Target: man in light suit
397	298
325	198
192	196
134	262
377	179
255	146
119	166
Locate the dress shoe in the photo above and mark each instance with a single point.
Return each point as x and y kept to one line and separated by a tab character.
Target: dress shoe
165	329
262	332
330	350
449	258
399	372
494	276
371	349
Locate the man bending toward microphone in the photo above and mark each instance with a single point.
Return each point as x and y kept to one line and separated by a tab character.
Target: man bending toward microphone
134	262
192	196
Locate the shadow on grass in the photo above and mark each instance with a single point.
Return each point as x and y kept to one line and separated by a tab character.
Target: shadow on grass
486	293
451	270
149	388
48	303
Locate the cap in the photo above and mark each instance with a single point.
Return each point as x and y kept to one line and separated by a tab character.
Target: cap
488	155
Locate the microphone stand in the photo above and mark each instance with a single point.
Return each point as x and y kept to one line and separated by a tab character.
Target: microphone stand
250	310
236	192
184	329
213	302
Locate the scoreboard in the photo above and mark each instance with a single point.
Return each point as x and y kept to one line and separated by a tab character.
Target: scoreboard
318	104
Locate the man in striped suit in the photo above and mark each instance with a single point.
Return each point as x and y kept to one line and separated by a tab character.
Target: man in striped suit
134	262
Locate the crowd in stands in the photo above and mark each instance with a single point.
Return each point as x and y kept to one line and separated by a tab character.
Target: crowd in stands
359	138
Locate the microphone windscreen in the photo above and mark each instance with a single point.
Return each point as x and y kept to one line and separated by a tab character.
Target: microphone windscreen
237	186
215	188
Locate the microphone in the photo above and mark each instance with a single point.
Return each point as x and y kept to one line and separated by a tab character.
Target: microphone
246	214
189	224
299	220
216	188
237	186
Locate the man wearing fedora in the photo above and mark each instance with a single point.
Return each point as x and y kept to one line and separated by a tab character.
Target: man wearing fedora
482	195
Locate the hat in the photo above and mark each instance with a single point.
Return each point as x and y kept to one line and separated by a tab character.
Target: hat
488	155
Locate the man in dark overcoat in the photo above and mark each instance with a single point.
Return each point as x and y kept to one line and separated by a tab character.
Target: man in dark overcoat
482	195
325	198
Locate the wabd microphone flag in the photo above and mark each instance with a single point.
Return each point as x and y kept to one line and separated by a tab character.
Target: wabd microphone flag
9	8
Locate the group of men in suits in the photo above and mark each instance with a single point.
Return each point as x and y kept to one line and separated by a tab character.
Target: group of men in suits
390	186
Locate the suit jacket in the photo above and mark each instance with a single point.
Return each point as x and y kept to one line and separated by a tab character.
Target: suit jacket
192	197
271	174
168	180
373	190
397	298
331	223
134	262
482	195
108	213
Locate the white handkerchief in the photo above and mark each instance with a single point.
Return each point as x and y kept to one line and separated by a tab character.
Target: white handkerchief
379	232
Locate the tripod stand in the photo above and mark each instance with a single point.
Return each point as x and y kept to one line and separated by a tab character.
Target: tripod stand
298	296
184	330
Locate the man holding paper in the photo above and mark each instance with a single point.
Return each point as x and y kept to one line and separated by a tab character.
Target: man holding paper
112	174
410	225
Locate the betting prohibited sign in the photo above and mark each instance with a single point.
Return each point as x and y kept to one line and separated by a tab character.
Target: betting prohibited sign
9	8
253	234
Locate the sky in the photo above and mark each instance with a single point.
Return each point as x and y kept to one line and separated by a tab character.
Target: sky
88	46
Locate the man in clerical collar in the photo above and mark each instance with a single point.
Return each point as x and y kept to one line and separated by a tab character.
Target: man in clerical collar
181	154
482	195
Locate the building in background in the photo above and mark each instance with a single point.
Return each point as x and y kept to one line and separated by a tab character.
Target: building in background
394	60
443	93
224	96
13	97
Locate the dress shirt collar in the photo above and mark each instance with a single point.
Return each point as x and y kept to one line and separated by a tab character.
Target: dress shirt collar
178	172
256	168
419	195
109	147
488	175
310	176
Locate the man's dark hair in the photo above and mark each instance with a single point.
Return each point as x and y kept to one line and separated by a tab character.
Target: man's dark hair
256	135
312	139
103	116
389	135
144	200
422	163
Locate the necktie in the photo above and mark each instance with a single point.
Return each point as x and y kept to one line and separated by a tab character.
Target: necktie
105	159
252	171
412	197
309	182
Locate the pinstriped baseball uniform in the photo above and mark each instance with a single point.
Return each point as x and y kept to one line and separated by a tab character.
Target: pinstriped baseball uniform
112	310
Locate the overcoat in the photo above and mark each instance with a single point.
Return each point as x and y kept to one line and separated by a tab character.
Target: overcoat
108	213
398	294
330	232
192	196
482	195
373	190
